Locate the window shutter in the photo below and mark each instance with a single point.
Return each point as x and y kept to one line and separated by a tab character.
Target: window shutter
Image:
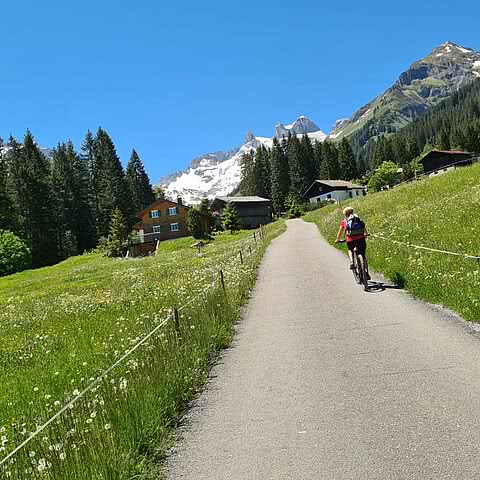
176	210
150	214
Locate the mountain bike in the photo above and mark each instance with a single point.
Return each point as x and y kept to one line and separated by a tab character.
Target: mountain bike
359	268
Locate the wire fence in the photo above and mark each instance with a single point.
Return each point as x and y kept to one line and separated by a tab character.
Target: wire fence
243	253
434	250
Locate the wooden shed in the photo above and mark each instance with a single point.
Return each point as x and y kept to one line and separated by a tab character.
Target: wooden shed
443	160
253	211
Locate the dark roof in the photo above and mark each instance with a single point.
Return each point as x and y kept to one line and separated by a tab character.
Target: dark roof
243	199
447	152
334	184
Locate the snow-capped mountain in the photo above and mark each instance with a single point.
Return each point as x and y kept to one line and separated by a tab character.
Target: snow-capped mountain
218	173
46	151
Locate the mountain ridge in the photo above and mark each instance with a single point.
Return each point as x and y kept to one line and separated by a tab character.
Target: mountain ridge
218	173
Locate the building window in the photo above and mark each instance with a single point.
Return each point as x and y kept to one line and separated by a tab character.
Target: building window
174	227
350	194
157	229
173	211
329	196
154	213
356	193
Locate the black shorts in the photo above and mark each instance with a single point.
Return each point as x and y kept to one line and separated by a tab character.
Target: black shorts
361	245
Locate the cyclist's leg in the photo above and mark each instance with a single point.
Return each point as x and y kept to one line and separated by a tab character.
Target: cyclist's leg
362	249
350	246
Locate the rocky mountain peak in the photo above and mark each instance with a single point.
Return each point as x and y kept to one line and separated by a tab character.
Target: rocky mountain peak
250	137
300	126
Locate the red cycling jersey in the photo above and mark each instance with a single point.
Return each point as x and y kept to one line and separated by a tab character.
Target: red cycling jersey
349	238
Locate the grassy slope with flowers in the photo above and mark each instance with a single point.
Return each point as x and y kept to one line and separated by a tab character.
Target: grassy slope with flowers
61	326
441	213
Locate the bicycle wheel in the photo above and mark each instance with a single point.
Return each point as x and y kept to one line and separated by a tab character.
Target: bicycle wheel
356	269
362	272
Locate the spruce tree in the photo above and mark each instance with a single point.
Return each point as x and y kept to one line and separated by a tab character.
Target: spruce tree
330	166
280	177
140	188
247	182
310	165
84	201
62	179
194	223
230	218
348	164
33	196
296	166
206	211
8	215
110	185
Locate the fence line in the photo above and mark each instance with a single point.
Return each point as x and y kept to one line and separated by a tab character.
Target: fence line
435	250
106	372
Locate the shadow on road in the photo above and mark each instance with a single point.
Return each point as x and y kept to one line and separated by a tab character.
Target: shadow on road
377	287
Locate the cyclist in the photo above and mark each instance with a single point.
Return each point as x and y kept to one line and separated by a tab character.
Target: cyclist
353	240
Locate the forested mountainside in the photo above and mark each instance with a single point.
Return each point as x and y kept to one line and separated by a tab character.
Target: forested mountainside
452	124
425	84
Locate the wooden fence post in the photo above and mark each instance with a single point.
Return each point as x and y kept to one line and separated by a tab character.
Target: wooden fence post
241	257
254	237
176	318
250	248
222	279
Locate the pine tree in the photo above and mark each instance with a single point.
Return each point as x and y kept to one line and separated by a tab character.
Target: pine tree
206	211
330	166
84	201
62	179
348	165
110	185
262	172
310	165
141	192
230	218
116	243
318	155
194	223
296	166
280	176
248	180
34	198
8	215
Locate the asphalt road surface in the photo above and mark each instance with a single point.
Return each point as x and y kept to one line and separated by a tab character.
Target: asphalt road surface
325	381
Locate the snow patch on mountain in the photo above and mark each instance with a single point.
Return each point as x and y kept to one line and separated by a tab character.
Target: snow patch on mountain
218	173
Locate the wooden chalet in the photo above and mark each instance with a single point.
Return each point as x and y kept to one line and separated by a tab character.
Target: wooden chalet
253	211
439	161
162	220
333	190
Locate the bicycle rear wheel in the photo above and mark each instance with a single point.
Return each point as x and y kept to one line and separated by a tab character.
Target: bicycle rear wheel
356	268
362	272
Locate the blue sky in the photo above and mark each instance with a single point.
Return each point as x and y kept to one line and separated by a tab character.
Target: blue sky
175	80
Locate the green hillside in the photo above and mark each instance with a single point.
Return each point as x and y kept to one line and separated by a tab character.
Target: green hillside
440	213
61	326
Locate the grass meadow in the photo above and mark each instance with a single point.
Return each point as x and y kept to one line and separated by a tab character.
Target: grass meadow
441	213
62	326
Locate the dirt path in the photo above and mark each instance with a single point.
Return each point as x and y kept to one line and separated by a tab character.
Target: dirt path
325	381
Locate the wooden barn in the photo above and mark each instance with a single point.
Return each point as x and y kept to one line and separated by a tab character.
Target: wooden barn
439	161
253	211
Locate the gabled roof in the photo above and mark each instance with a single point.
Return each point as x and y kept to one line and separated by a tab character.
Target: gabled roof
252	198
149	207
343	184
446	152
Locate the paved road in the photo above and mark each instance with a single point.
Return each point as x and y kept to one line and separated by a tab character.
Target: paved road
311	390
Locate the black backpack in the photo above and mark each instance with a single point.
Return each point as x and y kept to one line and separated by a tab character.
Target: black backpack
355	225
